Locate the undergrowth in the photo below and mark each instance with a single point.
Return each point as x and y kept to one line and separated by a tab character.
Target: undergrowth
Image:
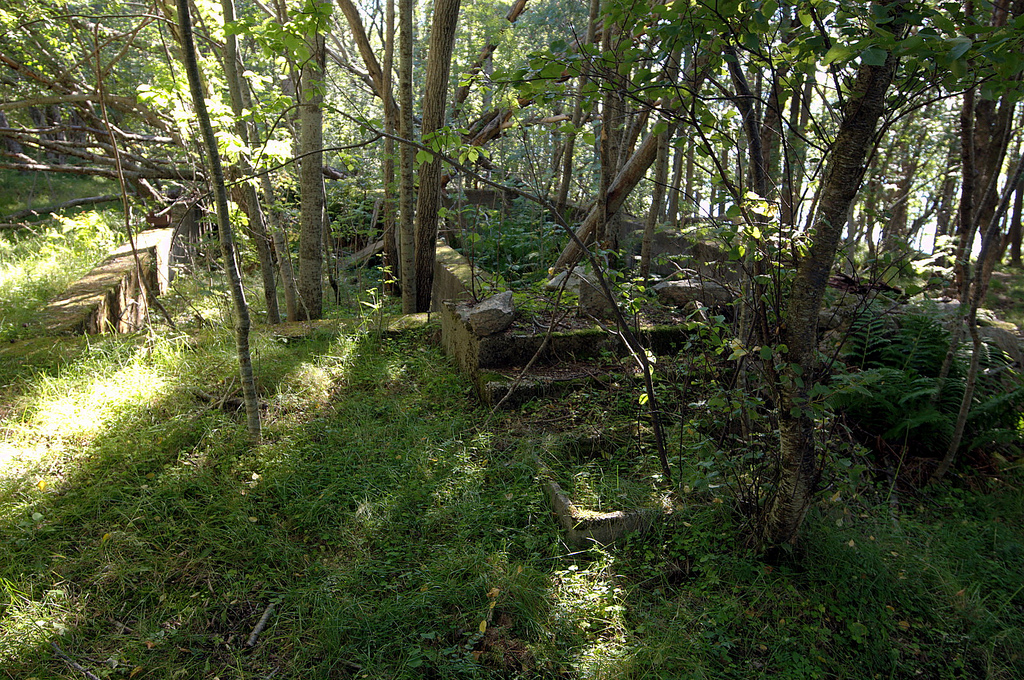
399	531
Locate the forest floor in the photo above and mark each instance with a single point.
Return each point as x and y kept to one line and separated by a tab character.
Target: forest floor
387	526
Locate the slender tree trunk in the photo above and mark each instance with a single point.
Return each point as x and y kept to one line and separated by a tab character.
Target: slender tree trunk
616	195
943	215
978	287
577	114
965	213
1015	227
378	76
613	113
798	471
311	183
284	263
250	202
406	197
392	263
661	162
679	166
428	202
896	228
242	322
657	200
277	235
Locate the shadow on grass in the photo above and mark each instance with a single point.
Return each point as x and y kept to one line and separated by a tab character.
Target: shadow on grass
400	534
377	514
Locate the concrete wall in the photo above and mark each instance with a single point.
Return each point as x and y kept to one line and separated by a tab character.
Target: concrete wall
112	297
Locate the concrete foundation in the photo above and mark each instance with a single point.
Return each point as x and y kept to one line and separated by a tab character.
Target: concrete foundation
112	298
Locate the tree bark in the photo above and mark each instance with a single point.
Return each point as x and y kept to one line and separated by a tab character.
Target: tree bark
250	203
406	189
798	465
990	244
242	322
311	183
378	76
428	203
392	262
620	188
1015	228
577	115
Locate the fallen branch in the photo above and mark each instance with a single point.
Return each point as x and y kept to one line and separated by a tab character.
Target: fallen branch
251	642
71	662
38	212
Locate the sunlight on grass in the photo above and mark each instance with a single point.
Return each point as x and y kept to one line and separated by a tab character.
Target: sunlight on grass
589	606
68	411
36	268
29	623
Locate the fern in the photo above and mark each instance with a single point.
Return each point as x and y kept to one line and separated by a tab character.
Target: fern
889	391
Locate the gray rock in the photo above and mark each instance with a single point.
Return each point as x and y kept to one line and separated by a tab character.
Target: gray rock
1004	339
593	301
681	293
573	286
489	316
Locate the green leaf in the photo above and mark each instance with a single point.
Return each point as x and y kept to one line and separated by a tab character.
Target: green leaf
424	156
958	47
838	53
873	56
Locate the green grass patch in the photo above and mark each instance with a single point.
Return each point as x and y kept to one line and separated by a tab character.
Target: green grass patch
399	530
34	268
1006	295
41	190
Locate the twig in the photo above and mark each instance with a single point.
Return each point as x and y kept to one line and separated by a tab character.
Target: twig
251	642
71	662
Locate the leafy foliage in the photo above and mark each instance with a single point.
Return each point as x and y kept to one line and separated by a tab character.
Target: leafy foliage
891	392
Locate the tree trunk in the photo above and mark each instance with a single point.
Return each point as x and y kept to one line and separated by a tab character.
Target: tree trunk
406	189
577	115
978	287
799	472
682	162
428	202
624	182
1015	227
250	202
657	199
378	76
311	183
965	213
943	215
392	263
613	114
242	322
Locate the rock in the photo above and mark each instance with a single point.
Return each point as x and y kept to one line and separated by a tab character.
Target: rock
593	301
573	286
680	293
1004	339
489	316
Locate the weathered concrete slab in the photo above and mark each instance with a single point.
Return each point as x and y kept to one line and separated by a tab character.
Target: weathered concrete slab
112	297
584	528
455	278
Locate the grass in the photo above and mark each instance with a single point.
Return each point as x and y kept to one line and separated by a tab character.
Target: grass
37	190
400	531
1006	295
35	268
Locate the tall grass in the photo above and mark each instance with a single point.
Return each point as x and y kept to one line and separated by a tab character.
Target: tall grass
36	267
